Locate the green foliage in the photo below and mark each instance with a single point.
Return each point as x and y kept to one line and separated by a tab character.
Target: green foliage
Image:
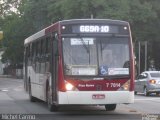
34	15
7	7
13	39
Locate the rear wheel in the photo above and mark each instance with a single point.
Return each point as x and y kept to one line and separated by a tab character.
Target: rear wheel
52	107
32	99
110	107
146	93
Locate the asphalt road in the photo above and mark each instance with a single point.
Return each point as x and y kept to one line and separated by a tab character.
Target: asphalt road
14	101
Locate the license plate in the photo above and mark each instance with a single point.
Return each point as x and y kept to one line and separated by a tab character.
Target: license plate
98	96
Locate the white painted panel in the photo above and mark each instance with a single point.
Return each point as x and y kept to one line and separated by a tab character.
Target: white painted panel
85	97
38	83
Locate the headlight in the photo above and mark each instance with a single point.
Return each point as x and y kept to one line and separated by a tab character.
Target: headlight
69	86
152	81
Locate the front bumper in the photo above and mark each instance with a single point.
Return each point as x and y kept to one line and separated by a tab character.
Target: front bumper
154	88
85	97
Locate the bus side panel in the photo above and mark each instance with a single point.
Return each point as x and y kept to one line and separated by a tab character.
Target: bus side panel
38	84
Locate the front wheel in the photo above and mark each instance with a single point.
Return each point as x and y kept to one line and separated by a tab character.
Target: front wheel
52	107
32	99
110	107
157	94
135	92
146	93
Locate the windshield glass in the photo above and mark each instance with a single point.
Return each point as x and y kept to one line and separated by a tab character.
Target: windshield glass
99	56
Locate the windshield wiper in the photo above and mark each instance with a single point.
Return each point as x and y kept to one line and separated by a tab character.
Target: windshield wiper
87	48
84	45
116	77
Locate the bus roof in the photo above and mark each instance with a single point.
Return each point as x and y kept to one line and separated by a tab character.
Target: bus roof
35	36
73	21
94	21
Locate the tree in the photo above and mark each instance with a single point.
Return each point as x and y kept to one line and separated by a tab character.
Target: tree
13	40
8	7
18	26
34	15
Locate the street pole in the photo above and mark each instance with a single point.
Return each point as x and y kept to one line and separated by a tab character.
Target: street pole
146	52
91	16
139	57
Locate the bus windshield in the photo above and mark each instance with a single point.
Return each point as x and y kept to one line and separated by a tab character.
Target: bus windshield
96	56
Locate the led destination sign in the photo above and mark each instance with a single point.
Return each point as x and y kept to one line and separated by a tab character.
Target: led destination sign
97	28
93	28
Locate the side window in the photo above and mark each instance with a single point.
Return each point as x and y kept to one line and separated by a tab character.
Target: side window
38	49
143	76
47	52
28	51
34	50
25	53
31	50
43	47
47	46
140	77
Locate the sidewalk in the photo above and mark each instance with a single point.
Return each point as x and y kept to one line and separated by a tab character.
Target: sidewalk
6	76
11	76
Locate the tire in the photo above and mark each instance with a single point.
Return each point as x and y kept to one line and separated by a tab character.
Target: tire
31	98
135	92
146	93
157	94
110	107
52	107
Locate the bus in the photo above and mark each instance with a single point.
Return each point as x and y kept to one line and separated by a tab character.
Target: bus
80	62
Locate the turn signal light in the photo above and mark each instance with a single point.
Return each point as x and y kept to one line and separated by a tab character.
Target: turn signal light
126	86
152	81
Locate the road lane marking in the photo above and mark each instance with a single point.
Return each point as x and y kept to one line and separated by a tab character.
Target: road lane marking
4	90
19	88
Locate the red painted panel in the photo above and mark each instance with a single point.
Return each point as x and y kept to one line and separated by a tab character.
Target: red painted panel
52	28
97	85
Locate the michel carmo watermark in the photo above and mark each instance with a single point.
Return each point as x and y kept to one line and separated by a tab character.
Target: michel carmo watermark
150	117
18	117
